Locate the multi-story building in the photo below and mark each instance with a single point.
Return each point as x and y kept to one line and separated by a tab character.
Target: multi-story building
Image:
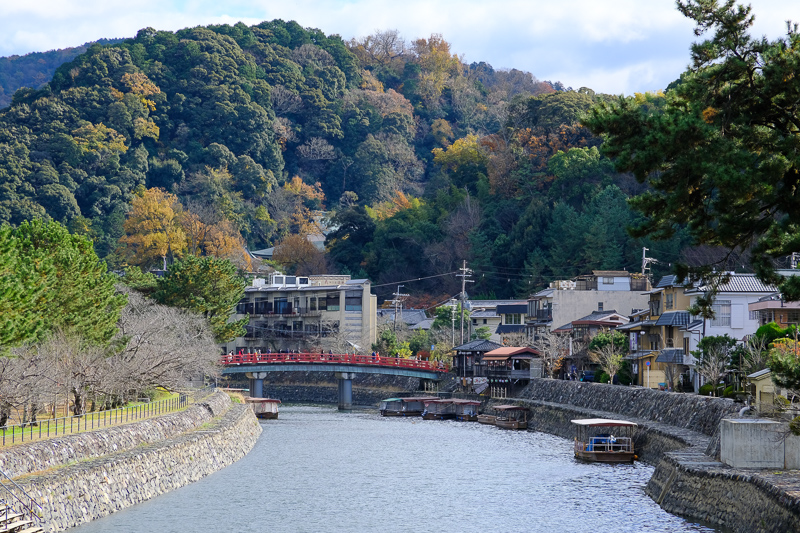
568	300
324	312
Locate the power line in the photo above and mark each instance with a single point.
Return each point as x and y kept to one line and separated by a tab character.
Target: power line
416	279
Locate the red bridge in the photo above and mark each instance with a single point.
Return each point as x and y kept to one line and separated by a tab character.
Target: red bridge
331	359
256	366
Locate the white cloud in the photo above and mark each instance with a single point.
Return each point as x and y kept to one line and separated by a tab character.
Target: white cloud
609	45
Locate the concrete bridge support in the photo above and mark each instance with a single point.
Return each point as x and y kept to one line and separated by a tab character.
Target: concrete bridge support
345	390
256	383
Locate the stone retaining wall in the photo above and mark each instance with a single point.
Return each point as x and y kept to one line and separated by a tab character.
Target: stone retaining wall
746	501
323	394
97	486
37	456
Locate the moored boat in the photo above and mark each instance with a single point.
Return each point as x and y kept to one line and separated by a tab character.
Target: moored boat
466	410
488	419
511	417
595	442
412	406
266	408
443	409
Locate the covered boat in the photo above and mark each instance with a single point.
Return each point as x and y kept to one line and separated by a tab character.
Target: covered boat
466	410
266	408
439	410
412	406
604	441
486	418
511	417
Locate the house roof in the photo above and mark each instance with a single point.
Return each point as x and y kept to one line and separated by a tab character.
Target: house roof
408	316
484	314
510	328
674	318
670	355
505	352
738	283
694	324
666	281
759	374
491	304
612	273
423	324
543	293
639	354
478	345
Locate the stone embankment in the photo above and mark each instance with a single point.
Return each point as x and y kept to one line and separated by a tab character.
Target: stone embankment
82	477
679	434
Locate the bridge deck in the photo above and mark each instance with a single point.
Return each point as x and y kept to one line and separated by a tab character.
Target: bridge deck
308	362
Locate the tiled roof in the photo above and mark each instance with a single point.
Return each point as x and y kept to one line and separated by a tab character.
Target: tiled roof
484	314
739	283
510	328
409	316
673	318
598	315
666	281
505	309
670	355
423	324
478	345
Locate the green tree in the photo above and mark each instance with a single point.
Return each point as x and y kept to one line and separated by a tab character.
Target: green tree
80	297
720	157
208	286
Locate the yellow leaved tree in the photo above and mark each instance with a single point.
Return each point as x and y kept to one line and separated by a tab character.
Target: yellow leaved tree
153	228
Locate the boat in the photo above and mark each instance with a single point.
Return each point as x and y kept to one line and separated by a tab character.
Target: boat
511	417
266	408
488	419
466	410
412	406
439	410
602	440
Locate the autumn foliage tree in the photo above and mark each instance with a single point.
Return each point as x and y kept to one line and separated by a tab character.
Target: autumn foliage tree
153	230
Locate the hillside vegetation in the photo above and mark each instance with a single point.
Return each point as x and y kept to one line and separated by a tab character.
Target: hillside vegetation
421	161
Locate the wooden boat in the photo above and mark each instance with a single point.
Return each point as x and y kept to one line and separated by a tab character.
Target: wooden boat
511	417
466	410
266	408
412	406
594	440
439	410
487	419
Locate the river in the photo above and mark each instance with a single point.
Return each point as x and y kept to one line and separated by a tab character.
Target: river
318	470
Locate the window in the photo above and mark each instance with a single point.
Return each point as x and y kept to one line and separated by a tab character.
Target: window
282	306
352	301
722	313
312	303
599	306
514	318
484	321
332	301
655	307
794	317
323	304
608	281
668	302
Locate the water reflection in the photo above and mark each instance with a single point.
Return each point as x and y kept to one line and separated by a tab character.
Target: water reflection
318	470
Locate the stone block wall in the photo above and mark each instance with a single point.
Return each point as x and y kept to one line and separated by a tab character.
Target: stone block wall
95	486
689	411
37	456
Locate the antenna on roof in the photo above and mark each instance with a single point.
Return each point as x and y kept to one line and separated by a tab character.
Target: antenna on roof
646	261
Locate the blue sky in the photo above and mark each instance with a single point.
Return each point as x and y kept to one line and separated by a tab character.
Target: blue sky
611	46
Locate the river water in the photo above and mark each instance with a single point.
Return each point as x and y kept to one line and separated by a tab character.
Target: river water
318	470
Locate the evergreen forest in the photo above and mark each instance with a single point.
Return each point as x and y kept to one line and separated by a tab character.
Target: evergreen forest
212	140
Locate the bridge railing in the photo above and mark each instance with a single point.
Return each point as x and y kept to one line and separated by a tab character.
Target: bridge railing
376	360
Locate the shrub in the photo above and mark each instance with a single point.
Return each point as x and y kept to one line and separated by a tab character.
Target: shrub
604	378
706	389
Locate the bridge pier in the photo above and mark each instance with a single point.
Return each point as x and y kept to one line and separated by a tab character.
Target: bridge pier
345	390
256	383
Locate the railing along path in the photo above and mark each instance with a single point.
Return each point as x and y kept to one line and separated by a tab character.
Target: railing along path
372	360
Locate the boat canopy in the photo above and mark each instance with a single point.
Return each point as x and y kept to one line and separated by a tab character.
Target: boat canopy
599	422
509	408
459	401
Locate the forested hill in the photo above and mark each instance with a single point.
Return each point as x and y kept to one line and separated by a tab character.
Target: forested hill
423	161
35	69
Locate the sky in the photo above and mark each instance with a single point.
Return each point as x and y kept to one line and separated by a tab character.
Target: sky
610	46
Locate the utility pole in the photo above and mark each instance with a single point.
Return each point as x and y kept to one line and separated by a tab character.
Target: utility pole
465	273
397	305
453	319
646	261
